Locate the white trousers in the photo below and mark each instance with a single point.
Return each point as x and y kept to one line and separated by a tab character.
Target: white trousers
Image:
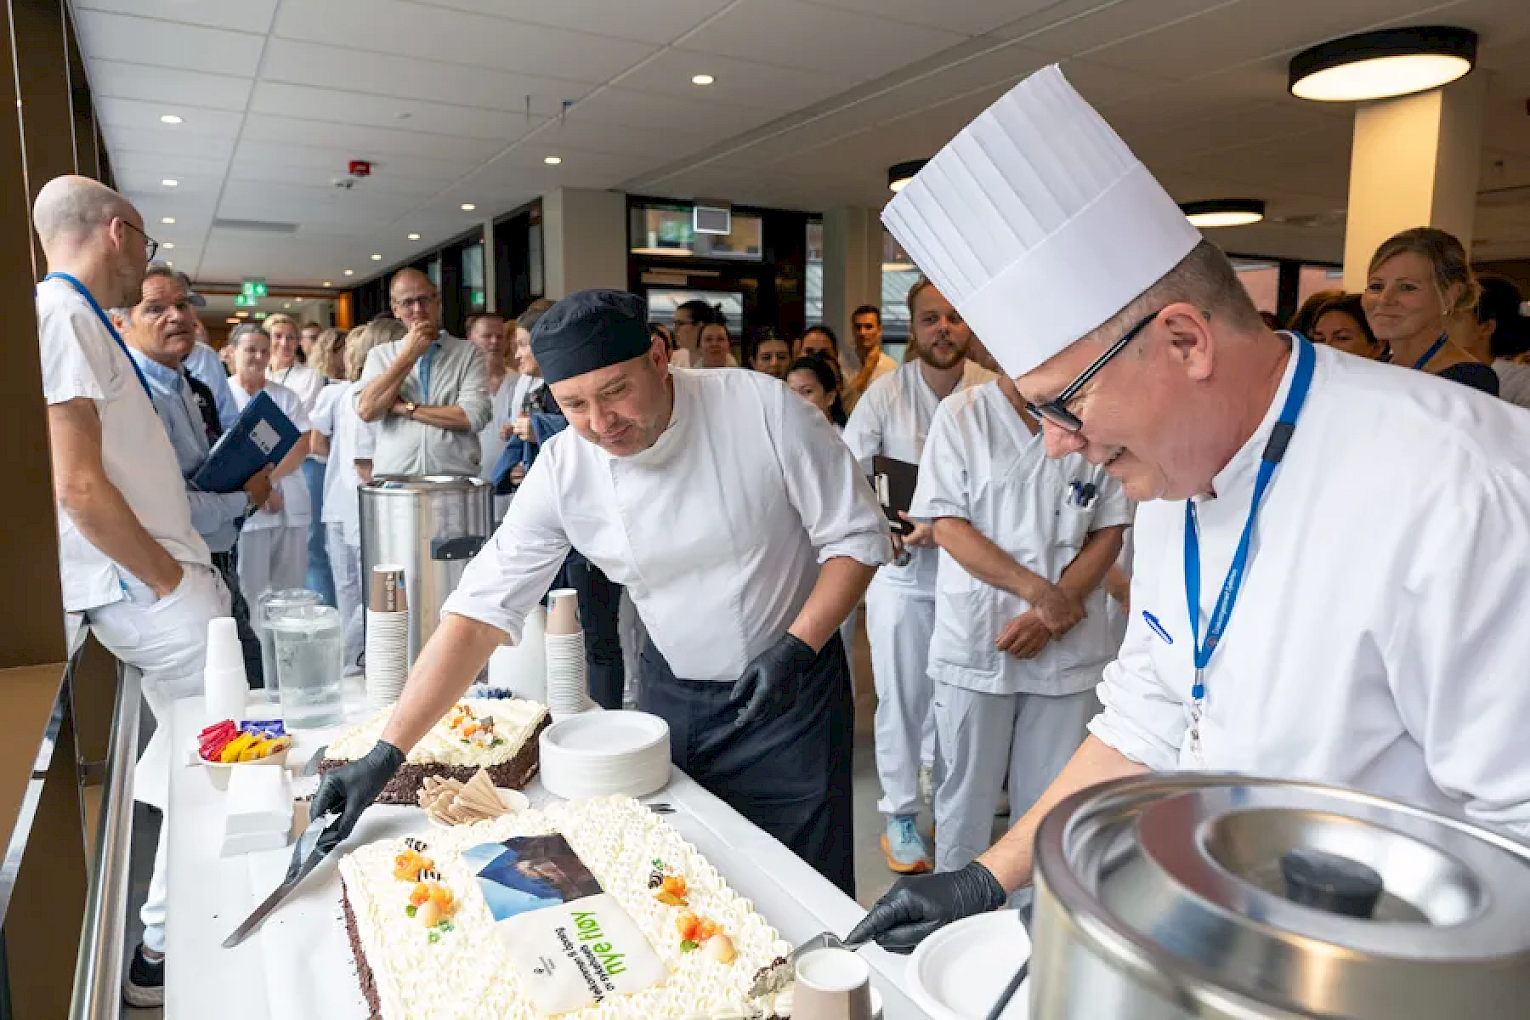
165	640
345	564
272	558
900	622
980	734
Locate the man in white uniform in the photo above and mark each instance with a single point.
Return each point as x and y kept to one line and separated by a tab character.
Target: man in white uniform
1372	650
891	421
742	527
134	569
1021	627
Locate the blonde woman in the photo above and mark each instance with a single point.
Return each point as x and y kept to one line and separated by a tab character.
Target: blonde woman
1419	281
350	441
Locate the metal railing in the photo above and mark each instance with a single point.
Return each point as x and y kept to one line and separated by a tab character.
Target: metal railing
98	970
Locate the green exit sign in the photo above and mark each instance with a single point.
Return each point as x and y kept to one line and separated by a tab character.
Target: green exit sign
253	289
244	301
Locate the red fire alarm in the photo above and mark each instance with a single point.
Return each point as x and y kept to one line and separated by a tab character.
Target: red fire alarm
360	168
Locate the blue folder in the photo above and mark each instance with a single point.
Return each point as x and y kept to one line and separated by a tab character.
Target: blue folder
261	435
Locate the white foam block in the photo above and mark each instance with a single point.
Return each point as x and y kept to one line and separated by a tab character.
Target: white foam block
259	805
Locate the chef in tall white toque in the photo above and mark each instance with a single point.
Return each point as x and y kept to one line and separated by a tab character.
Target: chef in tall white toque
742	527
1329	549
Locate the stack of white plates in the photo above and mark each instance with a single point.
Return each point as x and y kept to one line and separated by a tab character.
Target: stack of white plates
959	972
568	680
605	754
387	656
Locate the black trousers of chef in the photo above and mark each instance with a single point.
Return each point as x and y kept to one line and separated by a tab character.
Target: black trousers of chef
600	601
790	775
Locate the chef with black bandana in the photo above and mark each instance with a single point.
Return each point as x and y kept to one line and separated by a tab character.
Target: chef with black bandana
742	528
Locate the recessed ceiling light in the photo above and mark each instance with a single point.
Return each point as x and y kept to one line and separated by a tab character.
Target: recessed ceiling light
468	207
170	182
297	300
702	79
169	118
899	174
167	245
243	315
1224	212
232	321
286	304
376	257
171	264
349	272
414	237
1379	65
167	219
326	283
552	160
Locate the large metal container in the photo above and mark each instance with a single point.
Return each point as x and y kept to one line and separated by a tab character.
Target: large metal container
431	526
1169	897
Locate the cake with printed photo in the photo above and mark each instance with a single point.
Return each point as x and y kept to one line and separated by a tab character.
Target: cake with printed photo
588	910
499	736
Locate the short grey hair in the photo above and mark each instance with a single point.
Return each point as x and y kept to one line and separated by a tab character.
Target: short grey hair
1204	278
243	330
156	269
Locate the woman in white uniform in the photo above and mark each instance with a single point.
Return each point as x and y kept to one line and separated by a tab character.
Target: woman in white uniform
273	547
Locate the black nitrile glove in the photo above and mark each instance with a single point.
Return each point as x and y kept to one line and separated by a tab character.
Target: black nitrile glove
915	907
351	789
769	684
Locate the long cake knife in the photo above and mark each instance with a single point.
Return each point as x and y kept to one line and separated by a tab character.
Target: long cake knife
306	856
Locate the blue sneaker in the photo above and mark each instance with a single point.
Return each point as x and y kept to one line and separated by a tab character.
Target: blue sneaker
904	847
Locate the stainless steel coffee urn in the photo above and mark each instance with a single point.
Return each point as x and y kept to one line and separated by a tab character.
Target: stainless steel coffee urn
431	526
1168	896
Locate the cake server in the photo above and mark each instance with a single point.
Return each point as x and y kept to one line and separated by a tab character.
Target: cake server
312	768
306	856
774	978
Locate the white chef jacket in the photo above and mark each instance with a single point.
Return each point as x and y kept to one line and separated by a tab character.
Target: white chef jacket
1377	642
983	465
350	440
297	507
716	531
891	420
80	359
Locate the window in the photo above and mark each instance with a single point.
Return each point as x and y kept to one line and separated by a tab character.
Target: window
665	230
1262	281
1318	278
662	302
813	282
472	277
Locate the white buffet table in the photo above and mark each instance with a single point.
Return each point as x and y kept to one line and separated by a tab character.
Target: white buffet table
298	965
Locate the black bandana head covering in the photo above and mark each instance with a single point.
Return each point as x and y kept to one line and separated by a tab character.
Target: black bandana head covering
588	330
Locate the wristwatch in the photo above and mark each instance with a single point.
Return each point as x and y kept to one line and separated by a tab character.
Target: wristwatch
409	407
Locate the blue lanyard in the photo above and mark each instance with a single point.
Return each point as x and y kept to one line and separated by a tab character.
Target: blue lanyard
1274	450
1431	352
107	322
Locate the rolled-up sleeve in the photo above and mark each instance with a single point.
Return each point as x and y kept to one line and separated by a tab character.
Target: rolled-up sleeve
1111	508
943	488
827	488
473	393
863	432
1141	718
513	570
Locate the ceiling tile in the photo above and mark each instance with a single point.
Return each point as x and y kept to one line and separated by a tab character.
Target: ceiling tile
276	171
138	116
167	85
970	17
1078	27
789	33
165	142
238	15
389	26
366	142
653	21
740	82
300	101
688	116
323	162
574	132
167	44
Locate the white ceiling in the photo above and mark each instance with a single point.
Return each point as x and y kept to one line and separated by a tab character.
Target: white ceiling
458	101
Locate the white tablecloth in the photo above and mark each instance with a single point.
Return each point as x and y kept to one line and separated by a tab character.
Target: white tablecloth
298	965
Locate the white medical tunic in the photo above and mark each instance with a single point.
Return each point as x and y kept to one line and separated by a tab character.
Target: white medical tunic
716	531
982	464
297	507
891	420
1378	641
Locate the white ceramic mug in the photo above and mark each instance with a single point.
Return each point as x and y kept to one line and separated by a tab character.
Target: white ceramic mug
832	984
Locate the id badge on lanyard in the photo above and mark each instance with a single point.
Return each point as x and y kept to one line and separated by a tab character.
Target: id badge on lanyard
1274	451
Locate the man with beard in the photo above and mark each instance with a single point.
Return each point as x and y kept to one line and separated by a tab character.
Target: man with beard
891	421
721	490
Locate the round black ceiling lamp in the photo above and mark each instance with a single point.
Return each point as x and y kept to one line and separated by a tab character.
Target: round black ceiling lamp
900	174
1380	65
1224	212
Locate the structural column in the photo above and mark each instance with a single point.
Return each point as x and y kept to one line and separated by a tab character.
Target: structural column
1414	163
852	272
584	240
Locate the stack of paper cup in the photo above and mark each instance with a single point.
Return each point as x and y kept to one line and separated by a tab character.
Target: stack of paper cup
387	645
568	680
224	682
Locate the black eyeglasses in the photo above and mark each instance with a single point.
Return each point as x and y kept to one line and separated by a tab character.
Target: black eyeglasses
149	244
1055	411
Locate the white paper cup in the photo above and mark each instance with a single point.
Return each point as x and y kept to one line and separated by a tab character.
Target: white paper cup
832	984
224	652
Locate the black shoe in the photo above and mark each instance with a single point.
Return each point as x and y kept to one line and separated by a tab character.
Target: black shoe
144	985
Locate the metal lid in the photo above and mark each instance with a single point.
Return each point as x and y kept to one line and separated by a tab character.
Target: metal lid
412	484
1234	892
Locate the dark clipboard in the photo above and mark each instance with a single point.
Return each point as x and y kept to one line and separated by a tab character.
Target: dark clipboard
894	482
261	435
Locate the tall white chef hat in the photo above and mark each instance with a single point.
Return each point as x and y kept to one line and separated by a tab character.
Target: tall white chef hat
1038	223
